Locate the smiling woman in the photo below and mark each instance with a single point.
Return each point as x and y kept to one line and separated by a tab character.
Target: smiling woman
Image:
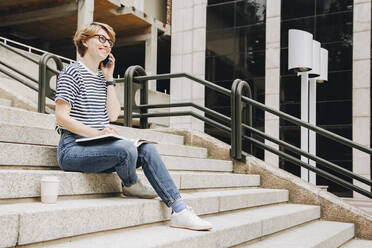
86	102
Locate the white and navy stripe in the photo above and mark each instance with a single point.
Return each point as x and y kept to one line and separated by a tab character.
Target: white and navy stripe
86	92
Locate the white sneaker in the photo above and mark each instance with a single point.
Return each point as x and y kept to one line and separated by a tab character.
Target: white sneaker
189	220
140	189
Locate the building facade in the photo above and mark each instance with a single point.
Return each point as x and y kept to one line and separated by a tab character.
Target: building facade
248	39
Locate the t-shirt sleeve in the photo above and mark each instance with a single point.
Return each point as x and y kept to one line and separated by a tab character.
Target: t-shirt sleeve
67	88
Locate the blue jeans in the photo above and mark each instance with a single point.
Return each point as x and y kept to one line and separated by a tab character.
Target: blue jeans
120	156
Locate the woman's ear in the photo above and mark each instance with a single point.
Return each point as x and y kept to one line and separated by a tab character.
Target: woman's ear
84	42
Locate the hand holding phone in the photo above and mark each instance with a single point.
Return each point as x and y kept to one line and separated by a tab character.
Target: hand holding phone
106	61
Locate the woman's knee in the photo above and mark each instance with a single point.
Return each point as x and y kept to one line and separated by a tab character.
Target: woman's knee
127	149
148	149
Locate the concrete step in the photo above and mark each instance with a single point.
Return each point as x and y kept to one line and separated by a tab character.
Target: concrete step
5	102
358	243
325	234
23	118
173	157
228	229
47	155
28	134
26	183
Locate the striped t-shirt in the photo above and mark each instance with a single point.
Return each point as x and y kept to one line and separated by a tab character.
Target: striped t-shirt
86	92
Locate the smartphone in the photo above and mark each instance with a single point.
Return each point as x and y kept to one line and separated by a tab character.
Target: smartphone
106	61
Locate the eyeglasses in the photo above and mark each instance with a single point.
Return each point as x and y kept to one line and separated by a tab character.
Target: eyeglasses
103	39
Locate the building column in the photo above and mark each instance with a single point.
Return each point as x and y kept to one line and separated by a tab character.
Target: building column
189	19
151	56
361	88
272	75
85	14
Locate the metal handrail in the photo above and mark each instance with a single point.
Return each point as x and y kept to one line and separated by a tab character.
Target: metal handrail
45	74
319	160
314	128
30	49
236	127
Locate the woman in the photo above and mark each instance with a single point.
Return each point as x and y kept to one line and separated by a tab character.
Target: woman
86	102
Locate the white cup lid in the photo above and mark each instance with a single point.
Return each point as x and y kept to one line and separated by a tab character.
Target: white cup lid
50	179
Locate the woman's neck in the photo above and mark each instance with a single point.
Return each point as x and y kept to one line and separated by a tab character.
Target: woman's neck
90	63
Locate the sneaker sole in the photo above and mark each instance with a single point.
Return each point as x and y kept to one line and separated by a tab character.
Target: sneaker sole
142	197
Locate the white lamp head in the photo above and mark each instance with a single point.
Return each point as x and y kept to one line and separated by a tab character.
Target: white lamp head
300	50
315	72
324	66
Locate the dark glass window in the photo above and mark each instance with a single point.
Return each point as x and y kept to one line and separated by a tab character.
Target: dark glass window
297	9
235	49
330	6
334	27
221	41
340	56
250	12
251	38
220	16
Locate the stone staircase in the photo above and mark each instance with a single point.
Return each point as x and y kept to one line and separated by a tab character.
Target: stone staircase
91	212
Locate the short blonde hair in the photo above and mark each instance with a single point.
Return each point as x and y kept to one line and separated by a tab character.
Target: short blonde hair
87	32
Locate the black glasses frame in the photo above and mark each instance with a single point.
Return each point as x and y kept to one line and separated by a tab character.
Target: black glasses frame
103	39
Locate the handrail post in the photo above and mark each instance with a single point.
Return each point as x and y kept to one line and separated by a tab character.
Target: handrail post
44	79
233	150
129	96
236	118
247	115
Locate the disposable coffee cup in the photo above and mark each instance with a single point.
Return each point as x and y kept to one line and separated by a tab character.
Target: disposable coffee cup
49	189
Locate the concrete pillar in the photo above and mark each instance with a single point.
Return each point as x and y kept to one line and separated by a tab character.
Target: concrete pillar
272	74
361	88
188	47
151	56
85	14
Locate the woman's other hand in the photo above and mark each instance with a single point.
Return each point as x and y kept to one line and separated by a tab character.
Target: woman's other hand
108	130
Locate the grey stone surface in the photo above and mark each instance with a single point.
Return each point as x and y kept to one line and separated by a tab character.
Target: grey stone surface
358	244
8	229
21	95
182	151
26	183
74	217
5	102
278	222
195	164
315	234
207	180
228	229
251	198
28	135
216	148
32	155
20	117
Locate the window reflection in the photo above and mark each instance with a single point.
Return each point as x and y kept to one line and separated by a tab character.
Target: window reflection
235	49
250	12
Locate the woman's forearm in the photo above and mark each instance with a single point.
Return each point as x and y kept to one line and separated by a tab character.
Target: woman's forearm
75	126
113	104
